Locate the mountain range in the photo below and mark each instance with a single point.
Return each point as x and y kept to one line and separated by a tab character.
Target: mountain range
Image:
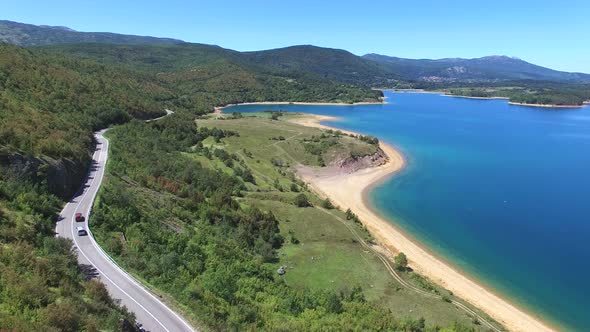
373	70
22	34
488	68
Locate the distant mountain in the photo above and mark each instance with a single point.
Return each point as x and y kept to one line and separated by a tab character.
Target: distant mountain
33	35
334	64
313	62
371	70
487	69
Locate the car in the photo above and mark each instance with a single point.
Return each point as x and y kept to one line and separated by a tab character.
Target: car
79	217
140	327
81	231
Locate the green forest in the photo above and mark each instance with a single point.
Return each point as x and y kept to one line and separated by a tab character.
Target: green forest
41	286
174	212
50	103
548	94
524	91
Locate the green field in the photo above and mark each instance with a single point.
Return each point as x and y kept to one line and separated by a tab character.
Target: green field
322	250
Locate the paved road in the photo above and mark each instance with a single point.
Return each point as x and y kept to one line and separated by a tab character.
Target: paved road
149	310
168	112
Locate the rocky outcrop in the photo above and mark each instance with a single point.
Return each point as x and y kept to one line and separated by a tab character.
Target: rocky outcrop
63	177
355	163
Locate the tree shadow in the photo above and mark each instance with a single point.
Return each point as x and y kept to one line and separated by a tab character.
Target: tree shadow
89	271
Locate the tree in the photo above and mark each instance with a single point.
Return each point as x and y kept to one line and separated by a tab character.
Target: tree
62	315
349	214
401	262
301	201
327	204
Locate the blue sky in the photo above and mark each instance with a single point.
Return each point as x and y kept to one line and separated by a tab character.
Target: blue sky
554	33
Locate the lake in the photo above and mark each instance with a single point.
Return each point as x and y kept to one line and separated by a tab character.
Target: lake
500	191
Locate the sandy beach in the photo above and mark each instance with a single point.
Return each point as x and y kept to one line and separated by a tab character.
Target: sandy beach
219	109
350	191
514	103
546	105
473	97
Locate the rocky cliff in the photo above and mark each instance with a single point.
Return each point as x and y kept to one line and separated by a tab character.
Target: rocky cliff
355	163
63	177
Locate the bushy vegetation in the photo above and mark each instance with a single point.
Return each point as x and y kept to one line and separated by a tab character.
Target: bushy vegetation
318	145
41	287
205	75
51	99
320	252
401	262
50	103
527	92
178	225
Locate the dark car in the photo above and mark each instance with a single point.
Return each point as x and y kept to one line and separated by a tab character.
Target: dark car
79	217
140	327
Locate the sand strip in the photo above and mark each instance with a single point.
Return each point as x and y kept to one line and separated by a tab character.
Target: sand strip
350	191
219	109
546	105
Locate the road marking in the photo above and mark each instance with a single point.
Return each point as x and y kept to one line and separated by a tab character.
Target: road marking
106	256
89	260
100	171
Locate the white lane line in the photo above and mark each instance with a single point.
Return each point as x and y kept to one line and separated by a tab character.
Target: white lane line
100	250
101	171
90	261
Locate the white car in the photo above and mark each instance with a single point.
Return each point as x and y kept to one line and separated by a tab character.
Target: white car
81	231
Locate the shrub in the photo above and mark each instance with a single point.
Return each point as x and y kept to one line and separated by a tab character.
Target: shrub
327	204
301	201
401	262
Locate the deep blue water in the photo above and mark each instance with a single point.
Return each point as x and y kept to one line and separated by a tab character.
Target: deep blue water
501	191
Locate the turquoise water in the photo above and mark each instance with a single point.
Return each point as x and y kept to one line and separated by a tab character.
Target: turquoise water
501	191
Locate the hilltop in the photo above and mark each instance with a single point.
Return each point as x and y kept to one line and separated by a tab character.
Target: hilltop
485	69
329	63
22	34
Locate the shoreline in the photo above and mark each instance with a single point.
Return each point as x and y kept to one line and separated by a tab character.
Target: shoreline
219	109
473	97
513	102
546	105
351	190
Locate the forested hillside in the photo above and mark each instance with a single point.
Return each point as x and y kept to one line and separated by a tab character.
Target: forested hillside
528	92
41	286
50	102
485	69
49	106
179	210
334	64
203	74
298	72
30	35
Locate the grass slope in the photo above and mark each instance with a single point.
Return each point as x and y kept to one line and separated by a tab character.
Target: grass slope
321	252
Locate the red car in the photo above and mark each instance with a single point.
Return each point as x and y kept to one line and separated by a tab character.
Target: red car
79	217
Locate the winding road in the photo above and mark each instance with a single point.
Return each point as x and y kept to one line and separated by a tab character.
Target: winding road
149	310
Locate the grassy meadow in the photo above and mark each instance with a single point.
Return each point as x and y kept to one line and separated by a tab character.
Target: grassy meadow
323	249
